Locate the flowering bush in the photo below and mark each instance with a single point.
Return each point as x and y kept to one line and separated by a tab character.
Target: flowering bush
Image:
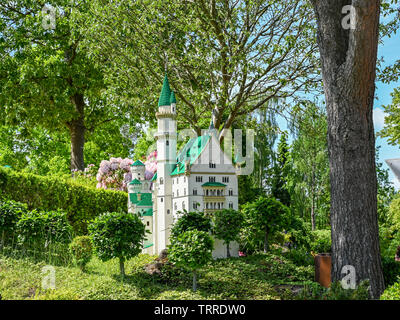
115	173
151	165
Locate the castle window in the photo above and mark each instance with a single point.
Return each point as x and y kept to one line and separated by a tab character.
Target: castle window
177	193
195	192
212	165
230	192
167	142
162	199
225	179
184	191
168	211
175	206
161	180
199	179
211	179
148	223
230	205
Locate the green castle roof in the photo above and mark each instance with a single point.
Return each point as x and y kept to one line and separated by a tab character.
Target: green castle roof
148	213
190	152
172	99
213	184
137	163
133	198
135	181
154	177
165	96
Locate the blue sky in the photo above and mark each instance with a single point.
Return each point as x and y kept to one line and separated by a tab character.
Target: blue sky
390	51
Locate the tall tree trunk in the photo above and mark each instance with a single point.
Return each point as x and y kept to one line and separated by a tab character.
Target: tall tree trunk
122	267
348	59
194	280
228	253
313	198
266	240
77	132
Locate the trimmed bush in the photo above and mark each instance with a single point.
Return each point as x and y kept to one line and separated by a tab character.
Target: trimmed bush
227	226
191	221
10	212
191	250
82	250
81	203
117	235
38	229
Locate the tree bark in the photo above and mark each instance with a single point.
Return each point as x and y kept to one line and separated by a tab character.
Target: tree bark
348	58
122	268
77	132
228	253
194	280
266	241
313	198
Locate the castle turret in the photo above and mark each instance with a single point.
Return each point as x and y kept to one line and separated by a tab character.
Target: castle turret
166	159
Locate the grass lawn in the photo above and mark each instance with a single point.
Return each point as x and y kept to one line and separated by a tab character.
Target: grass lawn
263	277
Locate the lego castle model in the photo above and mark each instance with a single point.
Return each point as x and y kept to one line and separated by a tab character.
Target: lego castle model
200	178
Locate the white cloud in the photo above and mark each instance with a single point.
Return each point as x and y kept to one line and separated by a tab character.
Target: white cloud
379	118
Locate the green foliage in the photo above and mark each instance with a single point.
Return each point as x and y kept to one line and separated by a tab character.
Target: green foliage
188	33
279	188
335	292
192	249
191	221
321	242
300	257
81	203
82	250
263	218
308	167
391	270
227	224
117	235
38	229
10	213
392	293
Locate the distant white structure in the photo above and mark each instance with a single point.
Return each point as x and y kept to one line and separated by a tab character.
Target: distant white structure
200	178
394	164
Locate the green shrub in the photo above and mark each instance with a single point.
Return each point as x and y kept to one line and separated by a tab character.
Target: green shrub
39	229
392	293
335	292
263	218
117	235
82	250
10	212
191	250
81	203
227	226
391	270
300	257
191	221
321	242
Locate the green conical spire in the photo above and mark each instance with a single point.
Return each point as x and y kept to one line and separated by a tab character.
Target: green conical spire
172	98
165	93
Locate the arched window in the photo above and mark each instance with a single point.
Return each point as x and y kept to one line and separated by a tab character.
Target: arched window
161	180
168	211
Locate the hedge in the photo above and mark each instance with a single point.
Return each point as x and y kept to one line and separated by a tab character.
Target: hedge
81	203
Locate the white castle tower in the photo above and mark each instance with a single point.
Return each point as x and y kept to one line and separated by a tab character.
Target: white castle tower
166	159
